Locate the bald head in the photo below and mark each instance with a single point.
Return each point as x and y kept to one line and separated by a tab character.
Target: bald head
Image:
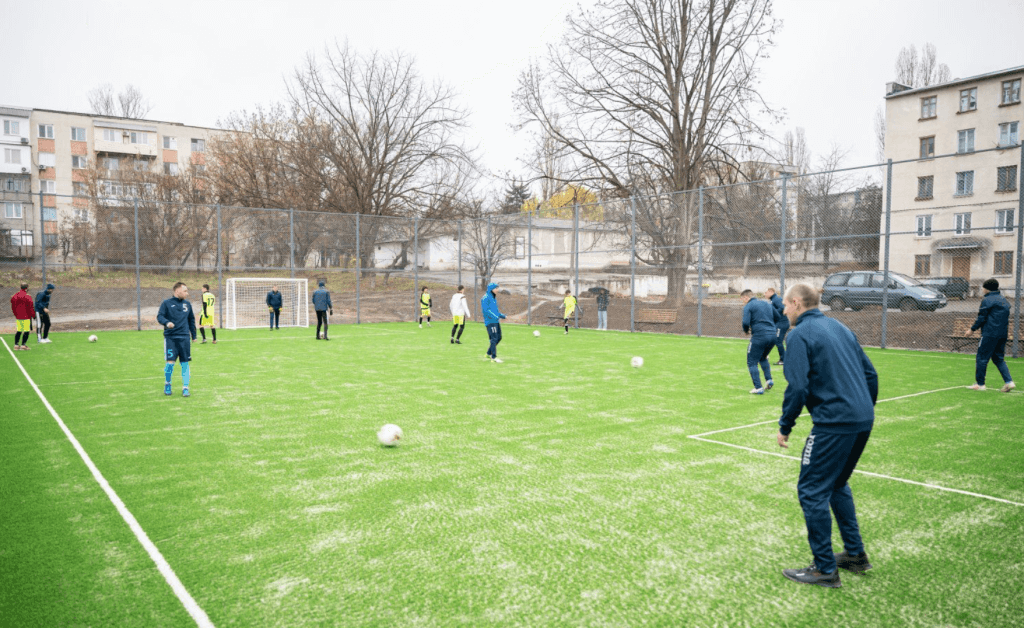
805	295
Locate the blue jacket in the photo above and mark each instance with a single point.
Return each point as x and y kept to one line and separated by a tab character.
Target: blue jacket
781	307
489	306
274	299
42	300
179	312
322	300
759	318
829	373
993	316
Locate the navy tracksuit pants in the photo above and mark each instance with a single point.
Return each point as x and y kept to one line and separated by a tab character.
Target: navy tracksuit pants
827	463
275	318
780	339
494	334
757	354
991	349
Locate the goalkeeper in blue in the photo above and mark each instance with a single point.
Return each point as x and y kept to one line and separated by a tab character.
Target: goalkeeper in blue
179	323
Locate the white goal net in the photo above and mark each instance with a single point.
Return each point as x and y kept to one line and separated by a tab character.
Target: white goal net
246	301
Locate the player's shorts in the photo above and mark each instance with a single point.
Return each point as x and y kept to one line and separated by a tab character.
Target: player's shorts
459	320
24	325
424	311
178	348
569	313
206	321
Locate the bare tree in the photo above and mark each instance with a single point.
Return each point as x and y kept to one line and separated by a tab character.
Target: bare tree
653	96
923	70
128	103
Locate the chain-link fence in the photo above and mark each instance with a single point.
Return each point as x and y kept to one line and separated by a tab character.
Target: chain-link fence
899	251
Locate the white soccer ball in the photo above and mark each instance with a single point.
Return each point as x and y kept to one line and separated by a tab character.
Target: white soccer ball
637	362
536	333
389	435
93	338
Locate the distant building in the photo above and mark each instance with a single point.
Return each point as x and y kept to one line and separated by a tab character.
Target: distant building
19	222
955	216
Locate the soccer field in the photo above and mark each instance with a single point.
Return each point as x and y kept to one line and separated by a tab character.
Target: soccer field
562	487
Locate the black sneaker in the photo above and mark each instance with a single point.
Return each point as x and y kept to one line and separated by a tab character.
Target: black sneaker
458	342
326	338
856	564
811	575
779	363
452	341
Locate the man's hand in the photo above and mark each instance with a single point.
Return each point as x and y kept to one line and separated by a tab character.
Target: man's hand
46	309
783	440
270	309
193	339
170	325
331	312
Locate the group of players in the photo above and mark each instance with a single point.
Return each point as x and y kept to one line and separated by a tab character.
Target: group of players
28	311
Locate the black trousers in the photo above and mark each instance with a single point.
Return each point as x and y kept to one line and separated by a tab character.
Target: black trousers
42	324
321	319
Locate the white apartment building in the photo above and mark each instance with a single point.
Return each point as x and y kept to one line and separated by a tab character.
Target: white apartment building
18	219
956	215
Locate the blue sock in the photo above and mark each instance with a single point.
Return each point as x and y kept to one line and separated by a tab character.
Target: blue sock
168	369
185	374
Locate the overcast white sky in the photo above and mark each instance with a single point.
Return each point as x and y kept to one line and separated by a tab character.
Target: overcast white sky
199	61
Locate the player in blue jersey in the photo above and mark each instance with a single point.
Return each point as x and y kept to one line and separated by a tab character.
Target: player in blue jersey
179	323
759	319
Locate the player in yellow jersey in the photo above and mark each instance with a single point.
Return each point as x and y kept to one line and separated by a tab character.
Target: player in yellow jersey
425	303
206	317
570	308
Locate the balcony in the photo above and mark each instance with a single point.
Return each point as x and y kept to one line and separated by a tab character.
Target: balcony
121	148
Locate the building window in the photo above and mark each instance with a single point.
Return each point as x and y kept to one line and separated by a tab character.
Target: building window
12	155
12	210
1008	133
968	99
198	146
15	237
142	165
1011	92
12	127
1006	179
15	185
928	106
50	213
1004	221
924	226
77	134
170	168
110	163
170	143
1003	263
47	186
80	189
47	159
963	224
46	131
927	147
965	141
924	187
78	162
965	183
81	215
137	137
111	135
922	265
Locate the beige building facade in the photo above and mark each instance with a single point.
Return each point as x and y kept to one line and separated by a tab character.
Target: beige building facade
956	207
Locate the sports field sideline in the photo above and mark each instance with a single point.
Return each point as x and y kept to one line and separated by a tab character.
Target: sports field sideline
562	487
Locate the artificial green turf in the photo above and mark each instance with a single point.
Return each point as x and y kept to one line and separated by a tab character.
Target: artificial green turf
559	488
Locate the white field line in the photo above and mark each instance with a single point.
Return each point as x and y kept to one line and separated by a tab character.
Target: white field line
186	599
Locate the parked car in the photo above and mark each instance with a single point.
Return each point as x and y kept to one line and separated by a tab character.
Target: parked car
949	286
856	290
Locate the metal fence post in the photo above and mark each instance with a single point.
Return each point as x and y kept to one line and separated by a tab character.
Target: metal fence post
291	241
359	267
782	240
138	278
489	257
416	263
42	234
220	273
460	254
1020	250
576	260
632	266
529	268
700	255
885	274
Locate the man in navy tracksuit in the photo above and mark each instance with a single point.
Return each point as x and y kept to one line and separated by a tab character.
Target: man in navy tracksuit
274	303
759	322
492	318
829	373
179	324
994	322
781	326
322	305
43	314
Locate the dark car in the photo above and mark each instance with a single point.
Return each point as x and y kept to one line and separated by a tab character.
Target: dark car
950	286
856	290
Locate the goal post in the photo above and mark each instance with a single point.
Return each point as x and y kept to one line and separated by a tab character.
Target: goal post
246	301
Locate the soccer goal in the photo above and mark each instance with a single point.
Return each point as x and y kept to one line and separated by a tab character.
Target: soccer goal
247	302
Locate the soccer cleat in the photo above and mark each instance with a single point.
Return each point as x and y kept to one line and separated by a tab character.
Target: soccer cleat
214	342
167	389
458	342
452	341
856	564
46	341
428	324
757	391
498	360
326	338
976	387
779	363
1008	387
421	325
811	575
185	393
203	342
769	385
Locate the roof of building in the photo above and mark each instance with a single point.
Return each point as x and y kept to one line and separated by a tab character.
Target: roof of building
128	120
15	111
959	81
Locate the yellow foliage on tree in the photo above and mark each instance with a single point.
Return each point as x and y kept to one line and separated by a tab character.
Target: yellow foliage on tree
560	205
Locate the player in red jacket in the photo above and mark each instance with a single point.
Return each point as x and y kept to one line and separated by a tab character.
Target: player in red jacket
24	311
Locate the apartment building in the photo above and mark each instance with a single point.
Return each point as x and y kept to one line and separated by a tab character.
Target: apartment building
18	219
956	215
